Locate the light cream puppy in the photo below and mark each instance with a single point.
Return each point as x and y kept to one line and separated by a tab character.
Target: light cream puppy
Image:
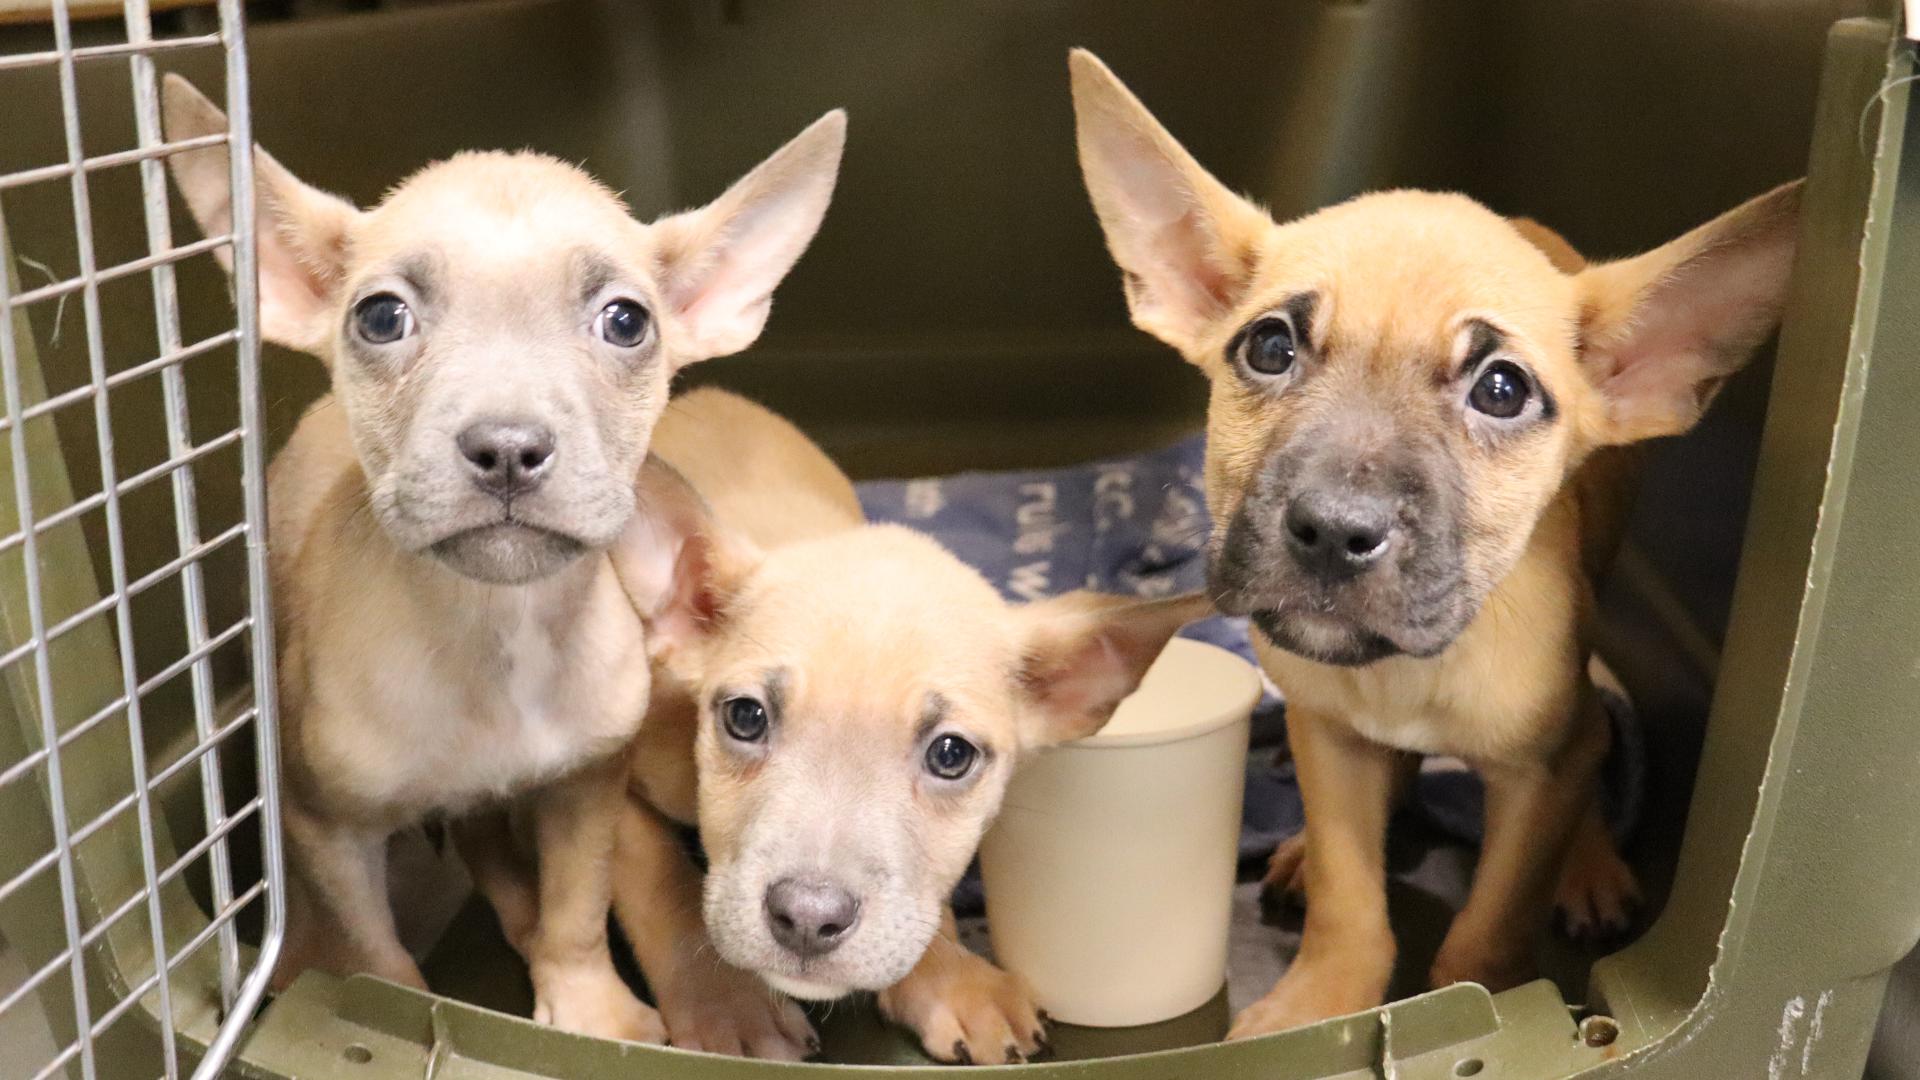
839	708
1415	468
500	335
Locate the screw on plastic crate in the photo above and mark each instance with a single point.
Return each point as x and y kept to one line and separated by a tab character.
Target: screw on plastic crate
1599	1030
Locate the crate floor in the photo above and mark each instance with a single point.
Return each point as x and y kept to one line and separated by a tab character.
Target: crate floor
472	962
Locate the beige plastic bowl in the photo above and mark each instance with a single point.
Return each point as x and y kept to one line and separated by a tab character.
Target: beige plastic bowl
1109	874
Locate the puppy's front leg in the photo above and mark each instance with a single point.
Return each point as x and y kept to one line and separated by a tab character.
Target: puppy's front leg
574	984
1532	811
965	1010
707	1003
340	872
1286	879
1346	947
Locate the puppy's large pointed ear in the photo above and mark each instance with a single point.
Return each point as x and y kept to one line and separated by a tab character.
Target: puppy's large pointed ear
1085	652
301	231
719	264
1184	243
679	568
1662	332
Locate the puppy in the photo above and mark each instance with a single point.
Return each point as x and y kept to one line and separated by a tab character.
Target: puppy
838	707
1413	474
501	335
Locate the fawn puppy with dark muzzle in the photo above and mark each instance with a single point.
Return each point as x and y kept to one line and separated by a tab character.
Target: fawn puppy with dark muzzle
1416	467
500	334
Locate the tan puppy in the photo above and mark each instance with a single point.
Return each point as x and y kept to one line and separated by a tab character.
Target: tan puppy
501	335
1409	403
847	704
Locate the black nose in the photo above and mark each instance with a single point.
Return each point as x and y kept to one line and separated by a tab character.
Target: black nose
810	917
1337	533
507	457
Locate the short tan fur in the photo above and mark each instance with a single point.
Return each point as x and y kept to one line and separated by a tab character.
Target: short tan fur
1416	468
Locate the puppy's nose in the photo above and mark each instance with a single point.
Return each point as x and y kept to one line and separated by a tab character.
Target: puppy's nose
809	916
1338	534
506	456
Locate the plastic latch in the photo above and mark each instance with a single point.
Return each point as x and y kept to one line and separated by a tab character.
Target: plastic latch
1438	1020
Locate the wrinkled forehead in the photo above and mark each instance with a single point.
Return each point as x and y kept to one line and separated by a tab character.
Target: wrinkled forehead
516	219
845	649
1417	273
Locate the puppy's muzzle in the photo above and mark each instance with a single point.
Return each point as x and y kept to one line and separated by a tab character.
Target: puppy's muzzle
1334	535
810	917
1346	554
507	457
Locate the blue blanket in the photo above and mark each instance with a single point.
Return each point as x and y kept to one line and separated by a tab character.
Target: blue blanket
1139	525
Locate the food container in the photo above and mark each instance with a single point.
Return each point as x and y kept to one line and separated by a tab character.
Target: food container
1109	874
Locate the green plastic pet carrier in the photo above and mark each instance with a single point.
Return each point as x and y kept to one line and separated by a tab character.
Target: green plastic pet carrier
957	312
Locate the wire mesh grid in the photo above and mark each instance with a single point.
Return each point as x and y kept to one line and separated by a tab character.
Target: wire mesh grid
142	894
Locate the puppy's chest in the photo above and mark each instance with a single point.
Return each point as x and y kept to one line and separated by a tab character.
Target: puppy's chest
1418	730
530	711
447	717
1424	707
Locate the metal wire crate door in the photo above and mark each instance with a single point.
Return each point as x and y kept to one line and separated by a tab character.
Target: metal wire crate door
121	900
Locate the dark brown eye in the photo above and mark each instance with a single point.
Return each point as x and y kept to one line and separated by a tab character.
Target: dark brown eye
382	319
1267	347
951	757
744	718
1501	391
622	324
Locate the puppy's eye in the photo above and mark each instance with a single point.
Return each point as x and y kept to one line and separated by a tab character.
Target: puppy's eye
744	718
622	324
1501	391
951	757
383	318
1268	347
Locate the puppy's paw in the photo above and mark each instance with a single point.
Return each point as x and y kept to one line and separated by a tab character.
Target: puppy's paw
1597	896
1305	995
594	1001
966	1011
1500	966
711	1006
1286	882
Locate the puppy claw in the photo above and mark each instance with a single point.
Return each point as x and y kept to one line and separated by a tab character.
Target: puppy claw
956	1001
